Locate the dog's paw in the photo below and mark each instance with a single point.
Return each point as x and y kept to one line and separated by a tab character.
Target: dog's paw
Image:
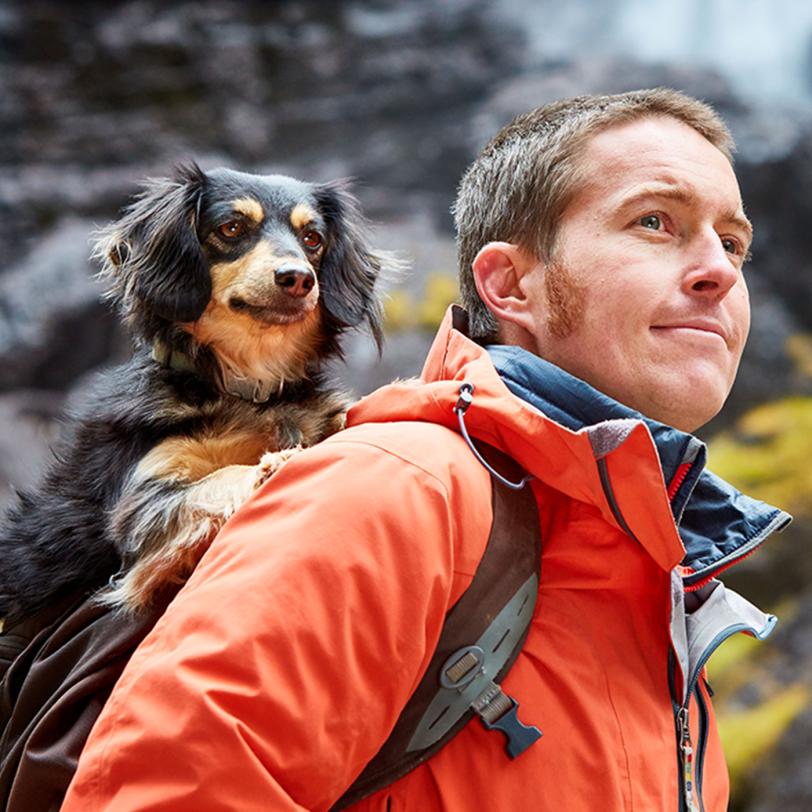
271	462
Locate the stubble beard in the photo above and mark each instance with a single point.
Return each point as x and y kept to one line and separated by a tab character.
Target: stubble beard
566	300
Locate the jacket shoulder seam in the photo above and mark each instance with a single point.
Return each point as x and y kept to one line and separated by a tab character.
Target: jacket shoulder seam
392	453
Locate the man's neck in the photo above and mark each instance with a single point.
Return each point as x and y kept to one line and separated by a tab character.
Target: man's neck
574	403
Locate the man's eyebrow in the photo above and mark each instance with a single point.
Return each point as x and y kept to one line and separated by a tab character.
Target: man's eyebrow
683	195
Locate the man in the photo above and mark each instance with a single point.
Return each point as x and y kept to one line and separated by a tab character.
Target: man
601	244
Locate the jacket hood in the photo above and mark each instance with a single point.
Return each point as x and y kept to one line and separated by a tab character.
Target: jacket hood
586	445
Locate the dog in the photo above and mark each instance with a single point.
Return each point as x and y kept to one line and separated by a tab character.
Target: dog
236	289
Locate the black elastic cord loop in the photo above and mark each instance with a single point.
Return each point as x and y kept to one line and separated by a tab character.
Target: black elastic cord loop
464	401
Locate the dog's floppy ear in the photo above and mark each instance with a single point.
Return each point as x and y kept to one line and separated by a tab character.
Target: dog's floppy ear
152	253
350	267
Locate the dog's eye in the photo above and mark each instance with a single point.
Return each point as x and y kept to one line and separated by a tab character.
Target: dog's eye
312	239
232	229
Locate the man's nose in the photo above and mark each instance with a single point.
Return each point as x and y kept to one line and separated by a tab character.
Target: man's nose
712	271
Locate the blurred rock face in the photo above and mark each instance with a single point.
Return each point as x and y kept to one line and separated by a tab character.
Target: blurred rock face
95	96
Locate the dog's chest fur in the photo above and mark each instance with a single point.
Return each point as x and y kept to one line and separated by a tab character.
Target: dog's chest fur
168	427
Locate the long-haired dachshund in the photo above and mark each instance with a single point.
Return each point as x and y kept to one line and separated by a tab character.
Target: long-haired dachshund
236	287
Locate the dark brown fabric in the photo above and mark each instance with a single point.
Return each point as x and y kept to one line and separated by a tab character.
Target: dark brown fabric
52	694
16	637
512	555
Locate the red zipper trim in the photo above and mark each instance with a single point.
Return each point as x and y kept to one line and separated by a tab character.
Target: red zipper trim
679	478
708	578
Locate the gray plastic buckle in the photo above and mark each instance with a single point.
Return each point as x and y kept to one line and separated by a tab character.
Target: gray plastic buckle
466	680
519	736
494	707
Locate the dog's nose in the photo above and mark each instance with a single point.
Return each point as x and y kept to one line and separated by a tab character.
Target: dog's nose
295	280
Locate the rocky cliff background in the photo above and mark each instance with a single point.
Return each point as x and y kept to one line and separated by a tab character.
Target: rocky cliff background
400	95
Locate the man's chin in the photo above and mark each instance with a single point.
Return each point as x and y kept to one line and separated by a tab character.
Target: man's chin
695	393
690	413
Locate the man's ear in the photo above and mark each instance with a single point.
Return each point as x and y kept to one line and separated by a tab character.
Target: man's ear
501	272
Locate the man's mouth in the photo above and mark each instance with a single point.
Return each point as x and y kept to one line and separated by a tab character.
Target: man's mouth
699	327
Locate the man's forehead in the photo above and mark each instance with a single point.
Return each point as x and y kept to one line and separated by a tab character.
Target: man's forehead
657	155
655	129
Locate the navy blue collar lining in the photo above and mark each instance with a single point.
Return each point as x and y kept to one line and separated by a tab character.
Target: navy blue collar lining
716	522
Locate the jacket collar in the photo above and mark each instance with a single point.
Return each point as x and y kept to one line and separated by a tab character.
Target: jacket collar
717	524
573	403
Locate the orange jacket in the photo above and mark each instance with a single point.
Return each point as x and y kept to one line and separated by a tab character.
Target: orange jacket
281	667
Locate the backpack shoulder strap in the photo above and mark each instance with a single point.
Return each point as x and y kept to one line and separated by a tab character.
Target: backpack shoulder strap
481	637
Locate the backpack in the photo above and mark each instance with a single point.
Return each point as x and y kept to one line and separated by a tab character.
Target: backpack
57	668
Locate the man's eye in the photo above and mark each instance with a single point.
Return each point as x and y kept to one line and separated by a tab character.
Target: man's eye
651	221
232	229
731	246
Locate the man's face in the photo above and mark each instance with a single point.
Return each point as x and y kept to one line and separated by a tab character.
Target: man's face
646	299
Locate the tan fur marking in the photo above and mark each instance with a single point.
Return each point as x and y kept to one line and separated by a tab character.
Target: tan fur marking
248	349
244	346
251	277
189	459
213	474
249	208
301	215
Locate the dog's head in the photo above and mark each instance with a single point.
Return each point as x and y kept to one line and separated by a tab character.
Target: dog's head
245	264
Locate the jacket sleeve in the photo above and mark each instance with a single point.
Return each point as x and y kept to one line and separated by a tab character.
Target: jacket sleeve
281	667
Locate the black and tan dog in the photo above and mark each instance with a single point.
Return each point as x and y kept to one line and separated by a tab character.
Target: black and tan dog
237	287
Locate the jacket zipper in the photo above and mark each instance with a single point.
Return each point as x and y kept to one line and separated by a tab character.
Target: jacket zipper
684	747
678	479
692	761
684	750
695	585
703	743
691	768
675	708
696	580
690	794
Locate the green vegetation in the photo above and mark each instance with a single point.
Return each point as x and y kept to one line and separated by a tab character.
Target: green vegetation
750	734
403	312
767	454
731	664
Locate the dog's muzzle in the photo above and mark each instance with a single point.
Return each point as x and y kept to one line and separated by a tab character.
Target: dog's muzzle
295	280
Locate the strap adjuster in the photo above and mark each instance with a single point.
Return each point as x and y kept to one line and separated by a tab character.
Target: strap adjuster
495	708
466	681
498	711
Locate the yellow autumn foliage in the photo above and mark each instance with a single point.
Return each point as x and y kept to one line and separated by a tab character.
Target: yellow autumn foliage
748	735
403	311
799	349
767	454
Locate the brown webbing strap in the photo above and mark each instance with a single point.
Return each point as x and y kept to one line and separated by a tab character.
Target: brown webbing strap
512	555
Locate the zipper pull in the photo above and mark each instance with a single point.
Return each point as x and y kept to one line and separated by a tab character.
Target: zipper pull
687	753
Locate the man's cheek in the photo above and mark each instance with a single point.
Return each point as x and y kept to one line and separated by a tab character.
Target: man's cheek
566	301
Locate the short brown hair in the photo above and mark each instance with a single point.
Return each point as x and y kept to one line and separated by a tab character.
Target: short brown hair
523	180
